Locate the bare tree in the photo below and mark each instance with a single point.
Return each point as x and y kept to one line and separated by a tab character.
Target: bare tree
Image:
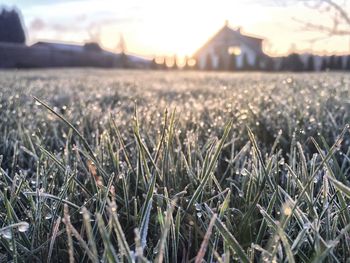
122	44
338	12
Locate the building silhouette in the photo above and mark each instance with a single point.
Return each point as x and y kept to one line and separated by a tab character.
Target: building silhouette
217	52
58	54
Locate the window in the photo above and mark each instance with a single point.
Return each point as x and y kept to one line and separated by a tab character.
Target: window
236	50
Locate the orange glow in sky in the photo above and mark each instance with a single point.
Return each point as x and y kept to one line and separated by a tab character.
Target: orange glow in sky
162	27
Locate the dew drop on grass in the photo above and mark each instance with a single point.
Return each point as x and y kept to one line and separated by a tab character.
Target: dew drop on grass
23	227
265	258
48	216
244	117
7	233
197	206
156	249
199	215
281	162
287	211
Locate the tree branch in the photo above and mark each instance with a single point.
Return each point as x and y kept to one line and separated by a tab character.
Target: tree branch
325	29
341	10
338	13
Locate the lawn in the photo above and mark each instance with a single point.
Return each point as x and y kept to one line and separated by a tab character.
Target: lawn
152	166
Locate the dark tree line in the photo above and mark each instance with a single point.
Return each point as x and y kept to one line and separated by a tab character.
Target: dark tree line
335	63
292	62
11	28
164	64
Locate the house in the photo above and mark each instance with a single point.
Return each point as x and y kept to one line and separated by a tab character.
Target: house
61	46
75	55
56	54
228	44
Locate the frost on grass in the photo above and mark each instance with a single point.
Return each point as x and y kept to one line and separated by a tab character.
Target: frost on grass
134	166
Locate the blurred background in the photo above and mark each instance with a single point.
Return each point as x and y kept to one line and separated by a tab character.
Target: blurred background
270	35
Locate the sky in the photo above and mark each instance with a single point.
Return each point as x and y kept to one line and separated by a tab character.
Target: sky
165	28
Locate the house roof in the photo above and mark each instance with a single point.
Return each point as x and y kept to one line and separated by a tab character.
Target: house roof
71	47
82	48
253	42
61	46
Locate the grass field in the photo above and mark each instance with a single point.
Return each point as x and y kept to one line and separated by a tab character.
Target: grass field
137	166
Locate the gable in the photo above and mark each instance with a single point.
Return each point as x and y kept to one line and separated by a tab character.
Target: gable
227	37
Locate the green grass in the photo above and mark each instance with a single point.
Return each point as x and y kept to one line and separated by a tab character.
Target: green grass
134	166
